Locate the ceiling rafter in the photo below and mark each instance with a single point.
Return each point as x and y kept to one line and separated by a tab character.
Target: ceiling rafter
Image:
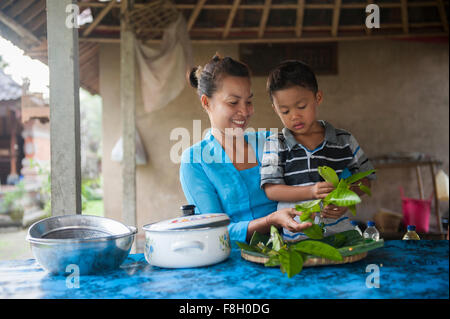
99	18
195	13
404	10
442	14
264	18
31	12
231	18
336	15
18	7
18	28
300	15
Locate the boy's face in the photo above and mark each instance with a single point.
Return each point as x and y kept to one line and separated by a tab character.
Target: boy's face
297	108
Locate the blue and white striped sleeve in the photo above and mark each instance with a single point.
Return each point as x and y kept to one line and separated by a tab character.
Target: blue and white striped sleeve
360	162
272	166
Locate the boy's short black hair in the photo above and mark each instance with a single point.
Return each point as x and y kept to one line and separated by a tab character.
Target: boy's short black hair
290	73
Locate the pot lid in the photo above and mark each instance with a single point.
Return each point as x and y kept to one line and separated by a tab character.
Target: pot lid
190	222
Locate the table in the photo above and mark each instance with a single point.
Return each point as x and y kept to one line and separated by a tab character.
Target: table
407	269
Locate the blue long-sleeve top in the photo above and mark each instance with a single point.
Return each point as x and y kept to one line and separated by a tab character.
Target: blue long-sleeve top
212	183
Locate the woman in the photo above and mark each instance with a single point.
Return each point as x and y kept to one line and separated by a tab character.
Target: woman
220	174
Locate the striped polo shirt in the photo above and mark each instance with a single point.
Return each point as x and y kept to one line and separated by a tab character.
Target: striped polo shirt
286	161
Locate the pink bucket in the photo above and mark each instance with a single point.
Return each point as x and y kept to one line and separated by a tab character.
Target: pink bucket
416	212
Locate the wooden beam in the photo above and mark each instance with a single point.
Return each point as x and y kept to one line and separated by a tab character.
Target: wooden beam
436	199
264	18
128	111
99	18
64	110
38	21
404	10
299	21
18	29
18	7
230	18
5	3
195	13
31	12
442	14
336	15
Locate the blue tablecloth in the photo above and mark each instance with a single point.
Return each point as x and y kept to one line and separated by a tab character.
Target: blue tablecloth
407	269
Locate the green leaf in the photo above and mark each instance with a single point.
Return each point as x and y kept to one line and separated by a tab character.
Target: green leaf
339	240
329	175
305	216
257	237
352	208
307	208
244	246
342	197
365	189
274	260
314	232
275	239
356	177
317	248
291	262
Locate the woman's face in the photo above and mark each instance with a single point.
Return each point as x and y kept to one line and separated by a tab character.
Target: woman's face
230	107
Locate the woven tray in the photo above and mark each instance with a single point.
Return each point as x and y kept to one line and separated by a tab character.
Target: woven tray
310	262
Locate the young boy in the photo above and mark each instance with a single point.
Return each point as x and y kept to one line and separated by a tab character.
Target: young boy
291	158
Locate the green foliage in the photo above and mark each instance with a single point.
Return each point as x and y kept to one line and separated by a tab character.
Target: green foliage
290	258
88	187
12	200
341	196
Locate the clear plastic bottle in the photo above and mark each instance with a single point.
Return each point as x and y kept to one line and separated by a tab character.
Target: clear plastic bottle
411	233
356	227
371	232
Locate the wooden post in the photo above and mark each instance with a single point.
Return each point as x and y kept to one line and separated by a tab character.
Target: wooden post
419	182
436	199
127	103
64	109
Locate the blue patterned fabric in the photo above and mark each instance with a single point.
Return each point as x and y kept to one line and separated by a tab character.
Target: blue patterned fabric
408	269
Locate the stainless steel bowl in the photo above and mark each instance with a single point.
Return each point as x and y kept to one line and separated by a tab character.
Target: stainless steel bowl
91	243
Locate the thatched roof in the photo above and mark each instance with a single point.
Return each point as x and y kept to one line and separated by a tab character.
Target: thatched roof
236	21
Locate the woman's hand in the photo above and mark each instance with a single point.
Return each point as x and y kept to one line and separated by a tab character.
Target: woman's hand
320	190
285	218
333	211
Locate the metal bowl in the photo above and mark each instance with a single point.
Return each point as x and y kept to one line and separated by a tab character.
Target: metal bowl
89	244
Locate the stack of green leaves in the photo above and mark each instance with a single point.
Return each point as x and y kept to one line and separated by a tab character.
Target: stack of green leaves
290	257
341	196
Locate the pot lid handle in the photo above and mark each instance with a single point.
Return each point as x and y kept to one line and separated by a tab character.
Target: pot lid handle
188	210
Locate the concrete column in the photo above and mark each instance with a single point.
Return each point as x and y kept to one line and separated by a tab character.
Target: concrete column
62	36
128	107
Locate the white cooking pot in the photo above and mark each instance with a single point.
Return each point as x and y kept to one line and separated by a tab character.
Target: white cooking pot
188	241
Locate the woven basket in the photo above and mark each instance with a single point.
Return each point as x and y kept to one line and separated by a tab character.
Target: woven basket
149	22
310	262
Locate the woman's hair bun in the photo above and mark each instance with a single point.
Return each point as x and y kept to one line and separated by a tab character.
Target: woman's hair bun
193	80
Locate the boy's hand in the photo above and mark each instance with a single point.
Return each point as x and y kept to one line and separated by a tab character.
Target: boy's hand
320	190
332	211
285	218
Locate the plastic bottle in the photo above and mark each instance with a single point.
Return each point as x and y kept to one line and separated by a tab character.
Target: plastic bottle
371	232
356	227
411	233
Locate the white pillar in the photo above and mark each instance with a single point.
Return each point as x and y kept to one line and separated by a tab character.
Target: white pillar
64	109
128	107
